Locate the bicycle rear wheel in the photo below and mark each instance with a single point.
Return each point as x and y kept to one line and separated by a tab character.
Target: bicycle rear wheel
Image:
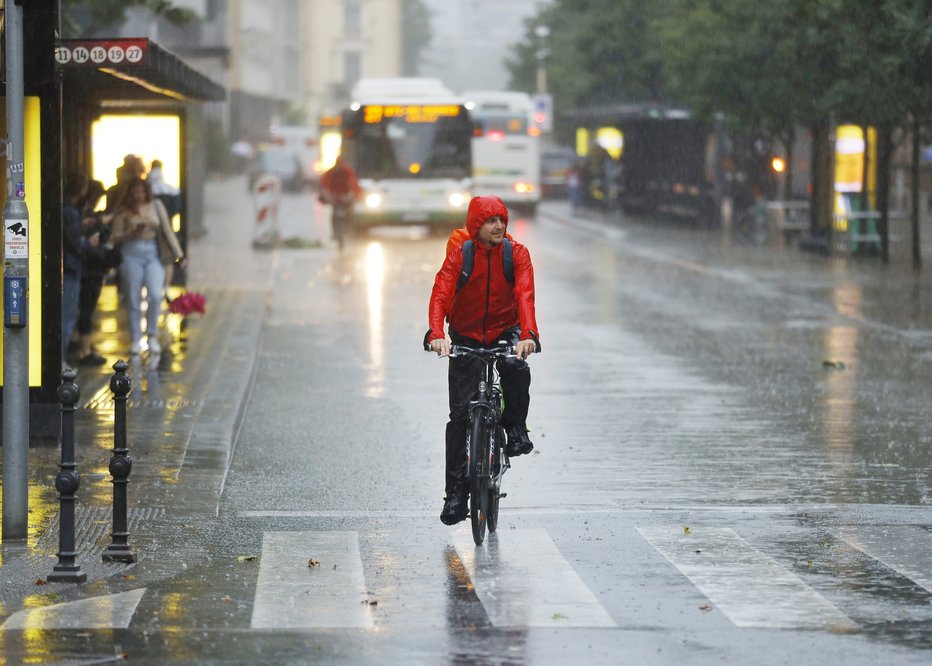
494	487
478	478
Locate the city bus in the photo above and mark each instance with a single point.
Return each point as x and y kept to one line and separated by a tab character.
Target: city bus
506	147
409	140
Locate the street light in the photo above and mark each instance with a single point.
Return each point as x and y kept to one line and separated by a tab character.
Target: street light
542	32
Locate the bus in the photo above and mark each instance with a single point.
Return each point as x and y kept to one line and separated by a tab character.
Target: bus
409	141
506	147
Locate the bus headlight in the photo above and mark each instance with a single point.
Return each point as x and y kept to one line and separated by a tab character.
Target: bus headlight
457	199
373	200
524	188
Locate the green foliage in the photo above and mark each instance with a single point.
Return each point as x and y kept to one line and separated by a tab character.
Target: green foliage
766	65
415	35
82	18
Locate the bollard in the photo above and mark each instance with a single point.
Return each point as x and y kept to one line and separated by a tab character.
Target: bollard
120	467
67	483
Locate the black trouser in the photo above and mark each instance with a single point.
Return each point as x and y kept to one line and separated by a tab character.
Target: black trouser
91	285
464	377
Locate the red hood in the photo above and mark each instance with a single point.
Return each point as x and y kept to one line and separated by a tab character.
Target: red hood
480	210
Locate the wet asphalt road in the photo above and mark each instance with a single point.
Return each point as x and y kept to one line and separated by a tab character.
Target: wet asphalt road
732	465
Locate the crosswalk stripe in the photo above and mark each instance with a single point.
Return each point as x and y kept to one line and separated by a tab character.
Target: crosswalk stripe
110	611
907	550
751	589
522	580
292	592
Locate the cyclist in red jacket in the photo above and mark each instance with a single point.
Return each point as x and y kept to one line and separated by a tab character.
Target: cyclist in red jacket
488	308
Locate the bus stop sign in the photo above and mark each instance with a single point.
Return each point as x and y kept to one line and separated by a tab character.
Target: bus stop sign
543	111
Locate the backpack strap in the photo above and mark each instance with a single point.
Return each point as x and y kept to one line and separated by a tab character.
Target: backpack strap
508	262
468	259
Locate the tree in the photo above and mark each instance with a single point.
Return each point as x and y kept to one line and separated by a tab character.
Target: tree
82	18
415	35
597	52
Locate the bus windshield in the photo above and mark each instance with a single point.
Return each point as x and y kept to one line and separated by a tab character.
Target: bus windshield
414	141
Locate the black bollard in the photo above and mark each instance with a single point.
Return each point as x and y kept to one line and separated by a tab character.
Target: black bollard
120	467
67	483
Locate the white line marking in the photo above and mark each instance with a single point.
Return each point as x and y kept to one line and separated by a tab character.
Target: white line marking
906	550
751	589
290	594
522	580
113	611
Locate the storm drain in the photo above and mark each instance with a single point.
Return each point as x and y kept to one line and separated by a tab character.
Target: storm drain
92	525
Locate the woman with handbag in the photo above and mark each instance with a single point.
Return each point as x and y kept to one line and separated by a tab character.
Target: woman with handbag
139	223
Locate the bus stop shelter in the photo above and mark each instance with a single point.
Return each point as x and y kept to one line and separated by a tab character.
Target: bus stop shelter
81	95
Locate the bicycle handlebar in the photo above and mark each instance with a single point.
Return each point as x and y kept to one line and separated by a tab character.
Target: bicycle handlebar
499	351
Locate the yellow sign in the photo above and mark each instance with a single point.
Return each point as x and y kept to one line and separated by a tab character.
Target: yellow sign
412	113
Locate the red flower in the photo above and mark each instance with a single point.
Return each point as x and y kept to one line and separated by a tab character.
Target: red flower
188	302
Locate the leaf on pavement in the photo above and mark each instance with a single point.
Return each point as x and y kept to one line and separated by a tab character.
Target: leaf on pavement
686	530
41	581
705	608
836	365
246	558
313	563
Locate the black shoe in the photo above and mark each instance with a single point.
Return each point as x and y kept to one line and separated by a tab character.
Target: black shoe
92	358
455	509
518	443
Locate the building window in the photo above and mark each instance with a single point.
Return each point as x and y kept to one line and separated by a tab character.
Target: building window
352	68
352	17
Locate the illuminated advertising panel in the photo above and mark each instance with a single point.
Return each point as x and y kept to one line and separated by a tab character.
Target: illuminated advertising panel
32	181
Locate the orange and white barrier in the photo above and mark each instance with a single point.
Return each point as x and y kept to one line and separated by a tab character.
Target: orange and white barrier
266	194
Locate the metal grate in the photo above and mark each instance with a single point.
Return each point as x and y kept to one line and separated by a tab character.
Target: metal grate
92	525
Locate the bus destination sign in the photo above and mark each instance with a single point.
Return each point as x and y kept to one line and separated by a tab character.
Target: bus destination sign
412	113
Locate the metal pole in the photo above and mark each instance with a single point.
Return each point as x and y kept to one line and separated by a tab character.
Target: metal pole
15	297
121	465
67	483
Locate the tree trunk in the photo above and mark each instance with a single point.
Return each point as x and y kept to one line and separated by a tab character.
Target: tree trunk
884	158
823	185
789	140
917	248
865	170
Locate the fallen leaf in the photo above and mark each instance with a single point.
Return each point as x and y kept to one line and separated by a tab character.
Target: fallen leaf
705	608
370	602
697	551
41	581
559	616
246	558
686	530
837	365
51	595
313	563
129	577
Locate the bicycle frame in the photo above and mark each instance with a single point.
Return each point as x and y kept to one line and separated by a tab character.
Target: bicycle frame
485	414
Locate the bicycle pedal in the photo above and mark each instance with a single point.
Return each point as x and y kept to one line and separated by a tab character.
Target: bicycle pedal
502	495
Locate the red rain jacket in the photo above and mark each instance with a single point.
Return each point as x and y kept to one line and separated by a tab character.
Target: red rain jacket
487	305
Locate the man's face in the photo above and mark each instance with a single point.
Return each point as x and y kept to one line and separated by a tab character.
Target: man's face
492	231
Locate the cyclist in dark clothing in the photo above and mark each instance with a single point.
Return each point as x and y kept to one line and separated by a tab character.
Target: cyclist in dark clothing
488	308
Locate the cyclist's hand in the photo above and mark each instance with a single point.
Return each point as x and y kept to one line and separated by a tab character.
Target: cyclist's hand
440	346
524	348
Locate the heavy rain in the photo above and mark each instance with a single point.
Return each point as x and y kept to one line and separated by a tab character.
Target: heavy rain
242	238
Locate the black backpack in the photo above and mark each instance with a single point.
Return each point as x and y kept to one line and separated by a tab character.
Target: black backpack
469	258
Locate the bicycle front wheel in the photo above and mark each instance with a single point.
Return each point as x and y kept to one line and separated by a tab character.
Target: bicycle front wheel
496	473
478	478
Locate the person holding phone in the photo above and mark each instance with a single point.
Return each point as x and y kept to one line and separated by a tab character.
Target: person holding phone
137	223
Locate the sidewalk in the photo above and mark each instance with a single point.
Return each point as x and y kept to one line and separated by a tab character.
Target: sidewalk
182	415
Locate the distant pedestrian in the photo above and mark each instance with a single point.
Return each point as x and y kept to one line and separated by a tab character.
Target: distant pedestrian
98	261
75	246
137	223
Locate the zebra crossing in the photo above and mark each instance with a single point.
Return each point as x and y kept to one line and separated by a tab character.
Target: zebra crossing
316	580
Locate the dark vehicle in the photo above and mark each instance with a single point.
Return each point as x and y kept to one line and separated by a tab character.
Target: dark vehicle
555	163
277	162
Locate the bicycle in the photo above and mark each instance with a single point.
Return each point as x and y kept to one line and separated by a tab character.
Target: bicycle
485	441
340	214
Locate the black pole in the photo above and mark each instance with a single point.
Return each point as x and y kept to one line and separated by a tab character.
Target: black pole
120	467
67	483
